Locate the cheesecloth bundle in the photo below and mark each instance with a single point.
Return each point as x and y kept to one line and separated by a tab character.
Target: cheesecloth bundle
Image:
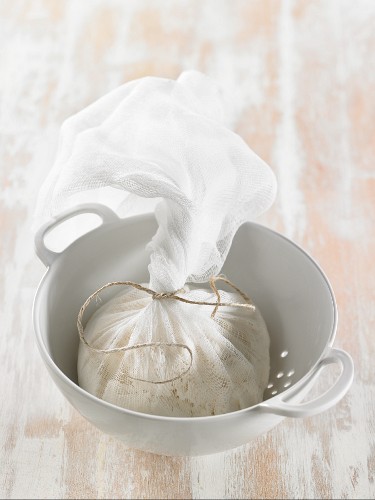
165	139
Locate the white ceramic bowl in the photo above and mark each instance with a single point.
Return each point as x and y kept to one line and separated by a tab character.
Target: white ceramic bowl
290	289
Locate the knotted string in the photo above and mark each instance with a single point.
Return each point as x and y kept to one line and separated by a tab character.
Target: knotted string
163	296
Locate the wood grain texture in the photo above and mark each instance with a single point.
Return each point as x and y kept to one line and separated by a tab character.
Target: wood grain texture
298	77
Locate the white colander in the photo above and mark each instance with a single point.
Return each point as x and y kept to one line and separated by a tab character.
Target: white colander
290	289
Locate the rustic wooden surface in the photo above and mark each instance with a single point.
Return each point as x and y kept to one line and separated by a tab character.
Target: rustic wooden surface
301	74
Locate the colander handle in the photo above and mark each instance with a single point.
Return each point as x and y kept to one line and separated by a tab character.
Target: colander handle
323	402
46	255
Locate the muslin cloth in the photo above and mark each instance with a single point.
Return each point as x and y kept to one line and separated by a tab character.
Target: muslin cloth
166	139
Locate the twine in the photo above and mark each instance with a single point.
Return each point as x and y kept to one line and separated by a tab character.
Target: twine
163	296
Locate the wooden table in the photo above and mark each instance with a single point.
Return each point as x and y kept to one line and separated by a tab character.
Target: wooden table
301	77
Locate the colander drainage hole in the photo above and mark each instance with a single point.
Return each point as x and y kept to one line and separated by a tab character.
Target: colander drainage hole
287	384
269	386
273	393
284	354
280	374
290	373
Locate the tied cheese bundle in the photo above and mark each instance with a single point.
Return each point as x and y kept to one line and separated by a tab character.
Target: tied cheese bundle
158	348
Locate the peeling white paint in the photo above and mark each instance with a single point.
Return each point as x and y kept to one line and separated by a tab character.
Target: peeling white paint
287	154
